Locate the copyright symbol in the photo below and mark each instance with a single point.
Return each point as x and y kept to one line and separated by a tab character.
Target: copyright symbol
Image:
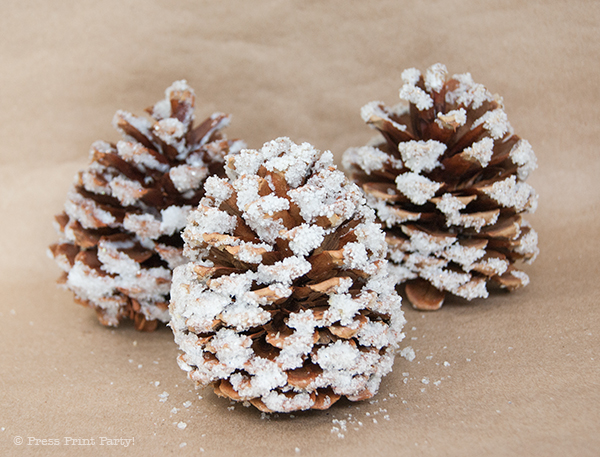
18	440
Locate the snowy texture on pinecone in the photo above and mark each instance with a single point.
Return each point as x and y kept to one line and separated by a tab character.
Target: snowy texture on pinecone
120	229
446	178
286	303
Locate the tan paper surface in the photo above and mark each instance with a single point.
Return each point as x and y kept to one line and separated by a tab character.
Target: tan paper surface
516	374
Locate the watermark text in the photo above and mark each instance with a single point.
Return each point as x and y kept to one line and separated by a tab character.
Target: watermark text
73	441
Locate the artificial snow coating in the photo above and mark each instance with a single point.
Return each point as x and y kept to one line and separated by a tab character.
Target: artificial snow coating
287	303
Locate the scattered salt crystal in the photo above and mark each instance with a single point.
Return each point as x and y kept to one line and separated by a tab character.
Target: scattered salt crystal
181	425
140	365
163	397
174	411
156	383
437	383
408	353
183	445
187	404
446	364
134	342
425	380
297	450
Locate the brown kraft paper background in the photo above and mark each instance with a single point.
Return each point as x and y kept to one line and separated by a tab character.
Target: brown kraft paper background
516	374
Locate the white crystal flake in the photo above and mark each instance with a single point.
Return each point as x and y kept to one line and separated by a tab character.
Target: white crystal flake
510	193
416	96
463	255
528	245
408	353
136	153
521	276
142	125
413	94
375	110
418	189
217	188
87	212
128	192
522	155
284	271
143	225
259	216
368	159
428	244
187	177
451	207
305	238
495	122
480	151
435	77
328	194
421	155
452	119
468	93
231	348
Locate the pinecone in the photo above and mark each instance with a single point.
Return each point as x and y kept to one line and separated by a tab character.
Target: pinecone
286	303
447	182
120	228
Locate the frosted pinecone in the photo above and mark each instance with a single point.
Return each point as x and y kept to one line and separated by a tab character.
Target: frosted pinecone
447	180
286	302
120	229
